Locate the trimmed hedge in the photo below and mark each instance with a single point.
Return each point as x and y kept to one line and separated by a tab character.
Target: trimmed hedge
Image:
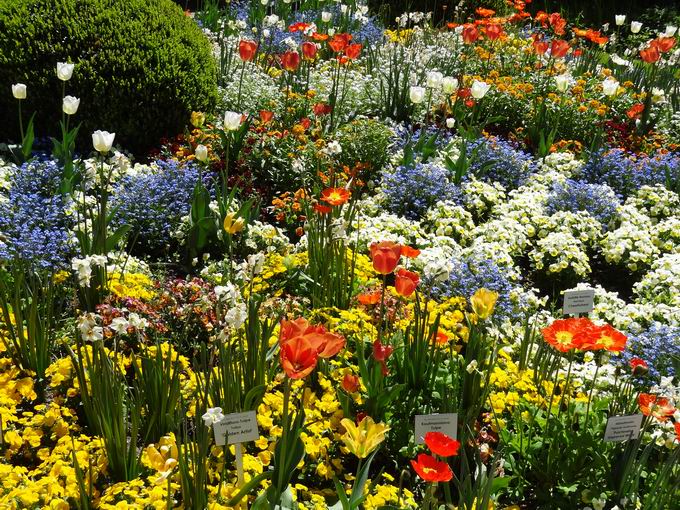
142	67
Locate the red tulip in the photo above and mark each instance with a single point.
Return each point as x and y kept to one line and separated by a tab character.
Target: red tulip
385	256
650	55
406	282
441	444
247	50
350	383
290	61
381	352
339	42
540	47
470	34
353	51
493	31
432	470
309	50
559	48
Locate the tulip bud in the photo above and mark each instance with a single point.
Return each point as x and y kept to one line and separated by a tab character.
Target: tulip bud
70	105
232	121
450	122
19	91
102	141
201	153
326	16
449	85
417	94
620	19
635	26
64	71
479	89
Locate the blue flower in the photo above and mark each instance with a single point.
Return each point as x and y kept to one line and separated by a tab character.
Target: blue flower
34	227
596	199
497	160
659	346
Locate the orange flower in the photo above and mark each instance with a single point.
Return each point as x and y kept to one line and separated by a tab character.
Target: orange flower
339	42
381	352
409	252
290	61
559	48
540	47
659	408
247	50
385	256
319	37
335	196
298	358
350	383
441	338
635	111
298	27
557	22
322	209
266	116
484	13
369	298
470	34
639	366
432	470
606	338
441	444
353	51
650	55
493	31
663	44
677	430
406	282
309	50
567	334
325	343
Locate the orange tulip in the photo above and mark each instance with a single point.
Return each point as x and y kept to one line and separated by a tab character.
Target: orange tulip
659	408
353	50
493	31
247	50
484	13
298	358
663	44
432	470
650	55
339	42
369	298
385	256
409	252
290	61
406	282
559	48
540	47
266	116
324	343
470	34
350	383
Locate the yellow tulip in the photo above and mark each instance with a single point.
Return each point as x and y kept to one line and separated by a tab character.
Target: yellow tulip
483	302
163	456
361	440
232	224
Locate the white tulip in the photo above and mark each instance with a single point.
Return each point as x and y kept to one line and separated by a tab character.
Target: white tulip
70	105
434	79
479	89
635	26
343	8
64	71
232	121
562	82
102	141
620	19
326	16
449	84
417	94
19	91
450	122
610	86
670	31
658	95
201	152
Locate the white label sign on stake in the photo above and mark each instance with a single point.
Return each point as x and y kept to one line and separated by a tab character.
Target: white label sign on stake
623	428
578	301
444	423
236	428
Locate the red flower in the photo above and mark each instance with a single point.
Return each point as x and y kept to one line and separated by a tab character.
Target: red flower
484	13
559	48
385	256
322	109
290	61
247	50
381	352
369	298
266	116
441	444
325	344
409	252
663	44
441	338
322	209
557	22
470	34
309	50
298	358
540	47
298	27
639	366
567	334
406	282
677	430
659	408
493	31
339	42
353	51
650	55
635	111
606	338
432	470
335	196
350	383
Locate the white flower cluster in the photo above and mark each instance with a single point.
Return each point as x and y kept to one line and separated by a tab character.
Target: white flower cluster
662	283
451	220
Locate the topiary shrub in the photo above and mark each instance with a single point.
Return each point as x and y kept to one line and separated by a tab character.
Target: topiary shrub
142	66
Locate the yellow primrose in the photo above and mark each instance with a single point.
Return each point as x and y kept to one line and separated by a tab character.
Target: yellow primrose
483	302
361	440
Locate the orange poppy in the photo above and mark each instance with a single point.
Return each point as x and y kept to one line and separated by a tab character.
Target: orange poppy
385	256
659	408
350	383
335	196
650	55
409	252
298	358
441	444
406	282
290	61
639	366
369	298
567	334
431	469
247	50
606	338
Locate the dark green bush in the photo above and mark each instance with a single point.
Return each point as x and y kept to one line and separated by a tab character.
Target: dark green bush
142	66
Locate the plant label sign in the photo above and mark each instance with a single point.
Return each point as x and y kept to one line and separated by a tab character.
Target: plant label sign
237	428
623	428
444	423
578	301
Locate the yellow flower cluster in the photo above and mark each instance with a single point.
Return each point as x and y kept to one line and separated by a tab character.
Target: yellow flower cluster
131	285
